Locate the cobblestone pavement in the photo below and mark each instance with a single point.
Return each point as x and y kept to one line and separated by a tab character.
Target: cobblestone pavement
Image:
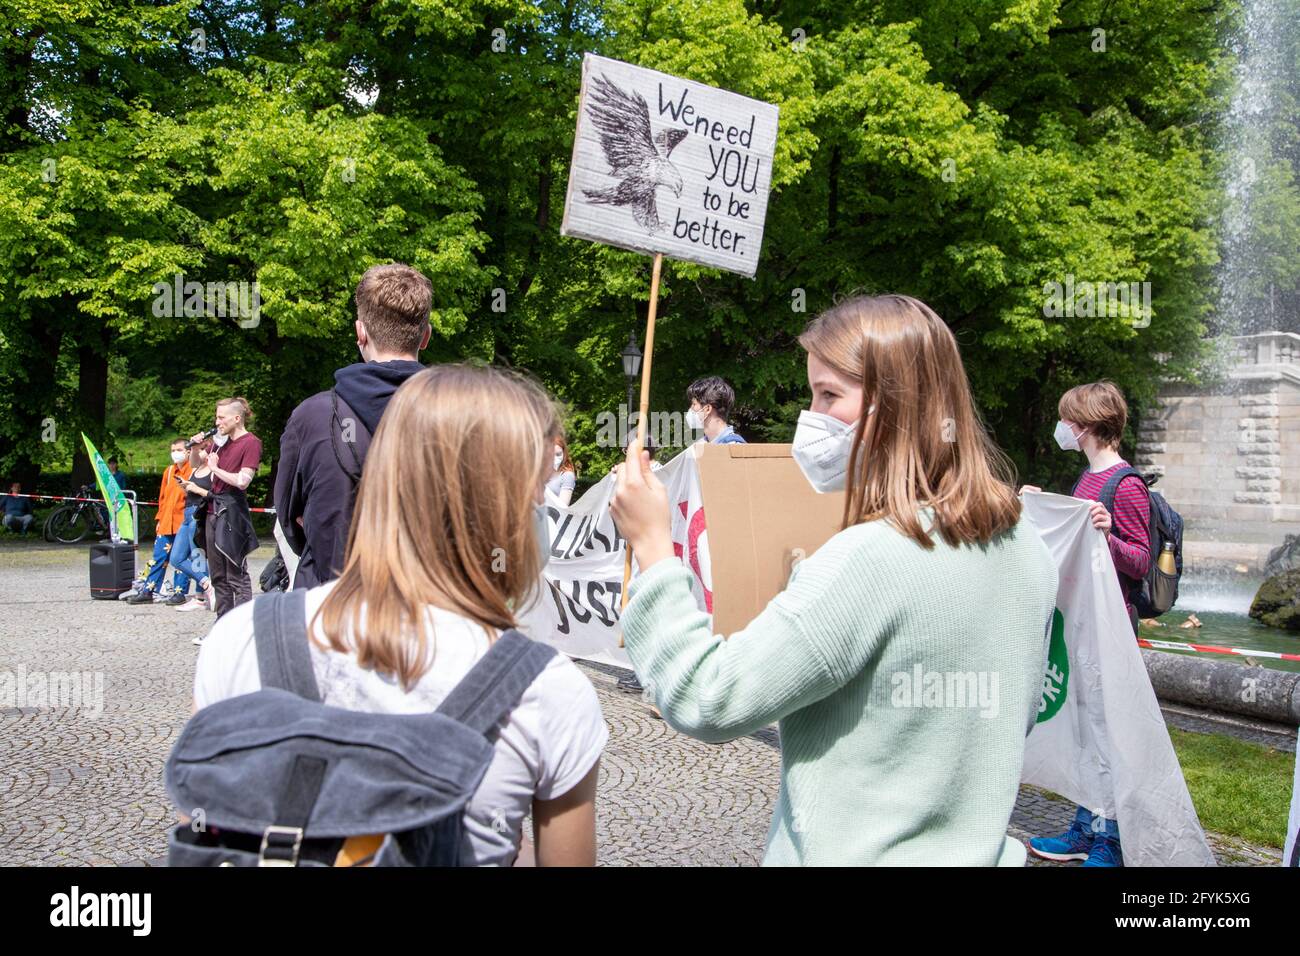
79	787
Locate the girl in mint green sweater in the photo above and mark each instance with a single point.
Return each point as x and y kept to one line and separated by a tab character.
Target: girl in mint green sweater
904	660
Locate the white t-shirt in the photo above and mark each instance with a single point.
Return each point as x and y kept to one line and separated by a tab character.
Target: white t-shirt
547	745
560	481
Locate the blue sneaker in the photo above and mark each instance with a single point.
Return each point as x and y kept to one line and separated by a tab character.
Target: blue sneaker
1105	852
1074	844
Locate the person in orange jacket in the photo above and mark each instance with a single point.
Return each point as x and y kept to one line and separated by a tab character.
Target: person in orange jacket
171	514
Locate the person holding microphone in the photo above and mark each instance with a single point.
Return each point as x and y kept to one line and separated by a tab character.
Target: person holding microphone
228	524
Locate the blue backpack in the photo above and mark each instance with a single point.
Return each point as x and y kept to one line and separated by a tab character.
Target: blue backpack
278	778
1159	591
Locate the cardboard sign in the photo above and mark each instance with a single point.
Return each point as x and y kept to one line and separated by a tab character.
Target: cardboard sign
666	165
763	518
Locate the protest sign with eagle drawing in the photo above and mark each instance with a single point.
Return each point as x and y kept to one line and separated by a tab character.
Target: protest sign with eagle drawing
669	166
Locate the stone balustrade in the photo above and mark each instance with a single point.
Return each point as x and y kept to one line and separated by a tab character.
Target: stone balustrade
1229	454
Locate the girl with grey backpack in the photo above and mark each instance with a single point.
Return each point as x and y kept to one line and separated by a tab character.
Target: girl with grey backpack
394	716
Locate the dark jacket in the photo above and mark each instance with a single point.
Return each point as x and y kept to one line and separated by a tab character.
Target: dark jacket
233	533
321	453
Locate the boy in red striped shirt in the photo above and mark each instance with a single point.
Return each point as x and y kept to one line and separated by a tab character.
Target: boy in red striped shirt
1092	421
1097	412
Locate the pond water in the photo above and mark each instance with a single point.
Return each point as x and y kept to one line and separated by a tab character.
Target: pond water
1221	602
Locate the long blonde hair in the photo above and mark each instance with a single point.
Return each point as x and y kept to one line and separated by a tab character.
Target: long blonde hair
443	516
925	444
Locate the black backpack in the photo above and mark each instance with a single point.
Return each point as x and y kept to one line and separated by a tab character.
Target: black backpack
275	576
1159	591
277	778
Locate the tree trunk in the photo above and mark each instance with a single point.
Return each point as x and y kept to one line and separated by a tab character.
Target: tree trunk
39	390
543	220
92	394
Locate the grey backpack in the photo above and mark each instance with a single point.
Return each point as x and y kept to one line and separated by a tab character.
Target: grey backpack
277	778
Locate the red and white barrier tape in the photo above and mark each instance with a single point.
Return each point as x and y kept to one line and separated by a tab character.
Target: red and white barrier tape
1214	649
153	504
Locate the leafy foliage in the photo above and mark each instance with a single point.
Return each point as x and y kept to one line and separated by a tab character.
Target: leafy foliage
966	153
136	406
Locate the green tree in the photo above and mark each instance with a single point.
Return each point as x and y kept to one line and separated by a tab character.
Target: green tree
970	154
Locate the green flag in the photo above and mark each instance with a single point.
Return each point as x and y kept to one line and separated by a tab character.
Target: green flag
117	504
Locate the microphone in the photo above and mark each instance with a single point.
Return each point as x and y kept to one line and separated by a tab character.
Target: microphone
206	435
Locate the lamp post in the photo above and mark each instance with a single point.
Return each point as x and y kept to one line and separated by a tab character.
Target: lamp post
631	369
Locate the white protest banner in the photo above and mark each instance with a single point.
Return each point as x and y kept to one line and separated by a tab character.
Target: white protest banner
579	610
669	166
1100	739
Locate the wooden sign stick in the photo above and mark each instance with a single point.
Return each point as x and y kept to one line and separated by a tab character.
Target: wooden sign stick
644	410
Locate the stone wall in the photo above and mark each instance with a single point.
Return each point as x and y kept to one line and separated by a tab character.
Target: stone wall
1229	456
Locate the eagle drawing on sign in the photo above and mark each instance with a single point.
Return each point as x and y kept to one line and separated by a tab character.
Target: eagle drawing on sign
637	157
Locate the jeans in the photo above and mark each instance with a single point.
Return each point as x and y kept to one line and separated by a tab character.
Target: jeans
162	546
185	558
19	522
1098	825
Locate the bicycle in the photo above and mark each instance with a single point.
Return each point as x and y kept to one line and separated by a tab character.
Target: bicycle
70	523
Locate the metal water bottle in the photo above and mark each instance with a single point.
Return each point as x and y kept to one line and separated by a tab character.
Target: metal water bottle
1166	561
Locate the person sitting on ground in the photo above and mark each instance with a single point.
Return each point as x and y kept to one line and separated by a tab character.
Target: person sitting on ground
18	510
711	401
935	570
118	476
445	544
325	440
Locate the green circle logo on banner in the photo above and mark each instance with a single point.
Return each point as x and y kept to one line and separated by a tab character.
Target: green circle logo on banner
1057	677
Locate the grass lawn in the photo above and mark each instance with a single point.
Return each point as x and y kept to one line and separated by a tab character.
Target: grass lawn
138	456
143	459
1239	789
149	456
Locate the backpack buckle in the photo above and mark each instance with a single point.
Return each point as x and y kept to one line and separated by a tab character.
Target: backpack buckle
280	846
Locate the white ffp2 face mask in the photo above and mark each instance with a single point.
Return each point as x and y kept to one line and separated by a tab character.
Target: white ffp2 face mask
693	420
1066	438
821	449
178	457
